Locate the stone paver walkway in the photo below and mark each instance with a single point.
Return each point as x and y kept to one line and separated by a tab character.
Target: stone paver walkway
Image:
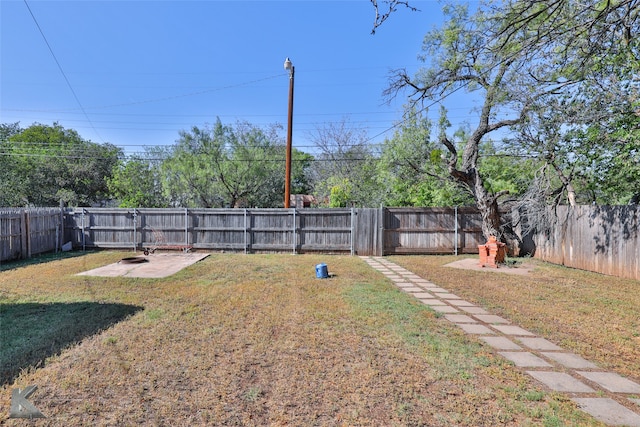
606	396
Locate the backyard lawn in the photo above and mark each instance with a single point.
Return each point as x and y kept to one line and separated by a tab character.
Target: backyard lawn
258	340
591	314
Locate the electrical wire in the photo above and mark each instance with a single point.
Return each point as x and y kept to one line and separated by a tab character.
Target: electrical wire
66	79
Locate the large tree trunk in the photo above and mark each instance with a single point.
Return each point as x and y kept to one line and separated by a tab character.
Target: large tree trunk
492	223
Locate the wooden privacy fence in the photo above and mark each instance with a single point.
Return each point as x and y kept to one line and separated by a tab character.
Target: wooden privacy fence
357	231
27	232
248	230
604	239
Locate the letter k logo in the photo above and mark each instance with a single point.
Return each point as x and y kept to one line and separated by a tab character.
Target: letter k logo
21	407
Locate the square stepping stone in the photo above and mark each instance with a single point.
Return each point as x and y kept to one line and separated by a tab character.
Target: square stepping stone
459	318
405	285
501	343
447	295
422	295
524	359
608	411
432	301
444	309
559	381
512	330
439	290
475	329
539	344
460	303
612	382
570	360
490	318
412	289
474	310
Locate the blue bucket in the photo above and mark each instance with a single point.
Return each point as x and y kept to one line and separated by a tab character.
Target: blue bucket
322	272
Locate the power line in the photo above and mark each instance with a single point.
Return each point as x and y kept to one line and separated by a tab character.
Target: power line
60	68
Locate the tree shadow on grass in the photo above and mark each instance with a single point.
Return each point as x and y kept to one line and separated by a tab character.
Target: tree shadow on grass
31	332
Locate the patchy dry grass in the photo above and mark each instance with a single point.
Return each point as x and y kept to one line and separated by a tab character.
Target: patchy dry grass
255	340
594	315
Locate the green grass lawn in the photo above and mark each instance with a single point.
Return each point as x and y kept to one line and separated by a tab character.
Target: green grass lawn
250	340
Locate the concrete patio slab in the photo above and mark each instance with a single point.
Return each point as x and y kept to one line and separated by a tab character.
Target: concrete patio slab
459	318
608	411
491	318
501	343
475	329
570	360
612	382
156	266
512	330
439	290
538	344
524	359
559	381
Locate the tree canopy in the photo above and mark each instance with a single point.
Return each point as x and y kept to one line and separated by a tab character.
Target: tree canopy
46	165
555	77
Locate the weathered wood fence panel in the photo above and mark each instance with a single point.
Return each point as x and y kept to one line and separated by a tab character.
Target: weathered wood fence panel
434	230
604	239
249	230
597	238
27	232
369	226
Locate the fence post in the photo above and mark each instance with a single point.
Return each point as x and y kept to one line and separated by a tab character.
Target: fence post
380	251
82	230
455	213
135	228
294	231
246	245
351	233
186	227
24	237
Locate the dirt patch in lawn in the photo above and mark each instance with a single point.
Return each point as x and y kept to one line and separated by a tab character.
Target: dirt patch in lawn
257	340
522	269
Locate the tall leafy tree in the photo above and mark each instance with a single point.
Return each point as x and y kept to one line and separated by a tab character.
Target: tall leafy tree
344	172
230	166
520	57
412	168
138	182
49	165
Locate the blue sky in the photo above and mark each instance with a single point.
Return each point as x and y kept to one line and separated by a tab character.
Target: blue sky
139	72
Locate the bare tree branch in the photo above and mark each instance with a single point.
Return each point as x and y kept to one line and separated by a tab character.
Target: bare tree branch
391	7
